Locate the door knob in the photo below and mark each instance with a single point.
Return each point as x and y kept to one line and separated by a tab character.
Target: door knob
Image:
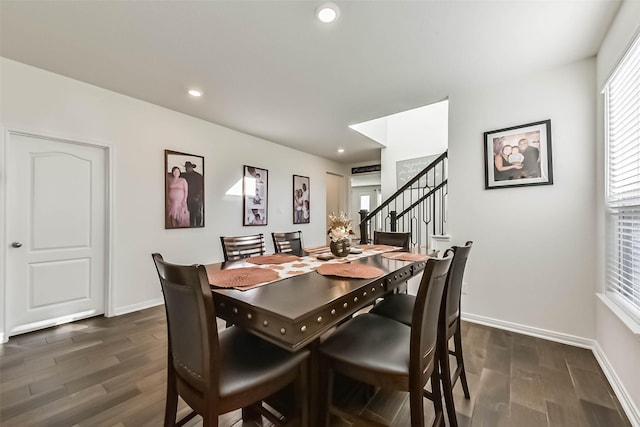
16	244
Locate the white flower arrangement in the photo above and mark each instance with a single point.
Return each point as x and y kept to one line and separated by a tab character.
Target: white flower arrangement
339	227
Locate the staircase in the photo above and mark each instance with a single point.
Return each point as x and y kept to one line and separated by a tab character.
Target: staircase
419	207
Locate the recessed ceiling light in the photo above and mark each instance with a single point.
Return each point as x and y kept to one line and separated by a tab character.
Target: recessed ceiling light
327	13
195	93
340	150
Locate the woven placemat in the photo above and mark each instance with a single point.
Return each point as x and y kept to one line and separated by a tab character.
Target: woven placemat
354	271
406	256
241	277
272	259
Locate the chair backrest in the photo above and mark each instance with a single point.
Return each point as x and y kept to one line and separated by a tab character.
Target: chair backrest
392	238
454	280
426	314
290	242
238	247
191	323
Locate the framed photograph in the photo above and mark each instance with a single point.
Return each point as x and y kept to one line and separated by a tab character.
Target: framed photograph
183	190
255	185
518	156
301	206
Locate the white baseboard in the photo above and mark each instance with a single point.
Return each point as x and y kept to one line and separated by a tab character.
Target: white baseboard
137	307
530	330
627	403
117	312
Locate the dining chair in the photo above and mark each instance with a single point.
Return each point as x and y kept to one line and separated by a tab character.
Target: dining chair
392	238
385	353
238	247
400	307
217	372
289	242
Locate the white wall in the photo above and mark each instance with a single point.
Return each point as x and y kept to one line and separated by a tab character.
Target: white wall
411	135
45	103
619	345
534	254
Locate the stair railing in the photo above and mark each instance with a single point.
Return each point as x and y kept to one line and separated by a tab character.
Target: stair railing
418	207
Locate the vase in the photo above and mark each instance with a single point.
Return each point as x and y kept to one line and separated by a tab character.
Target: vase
340	248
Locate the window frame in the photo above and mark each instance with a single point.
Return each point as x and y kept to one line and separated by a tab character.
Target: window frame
620	251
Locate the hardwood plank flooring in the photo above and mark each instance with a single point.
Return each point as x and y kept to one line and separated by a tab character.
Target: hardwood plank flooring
111	372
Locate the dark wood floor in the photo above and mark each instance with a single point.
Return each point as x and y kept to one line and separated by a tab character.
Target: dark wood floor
111	372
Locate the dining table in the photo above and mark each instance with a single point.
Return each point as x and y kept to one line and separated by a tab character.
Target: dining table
295	311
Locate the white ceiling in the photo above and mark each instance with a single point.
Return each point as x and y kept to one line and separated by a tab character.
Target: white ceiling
269	69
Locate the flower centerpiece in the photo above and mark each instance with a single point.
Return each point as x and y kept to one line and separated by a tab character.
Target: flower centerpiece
340	232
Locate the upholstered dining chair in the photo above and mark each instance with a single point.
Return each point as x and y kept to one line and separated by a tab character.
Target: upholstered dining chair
289	242
400	307
213	372
392	238
238	247
385	353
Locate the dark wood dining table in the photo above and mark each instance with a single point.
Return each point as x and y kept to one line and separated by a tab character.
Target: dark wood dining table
294	312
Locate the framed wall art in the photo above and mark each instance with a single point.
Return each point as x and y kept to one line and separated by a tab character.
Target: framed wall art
518	156
301	207
255	185
183	190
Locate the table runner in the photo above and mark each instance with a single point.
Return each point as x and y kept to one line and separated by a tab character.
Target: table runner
272	259
377	249
302	265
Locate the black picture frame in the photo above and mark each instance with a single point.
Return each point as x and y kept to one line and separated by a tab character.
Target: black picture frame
518	156
183	210
255	196
301	200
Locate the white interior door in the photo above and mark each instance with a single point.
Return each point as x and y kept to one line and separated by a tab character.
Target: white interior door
367	198
56	201
335	198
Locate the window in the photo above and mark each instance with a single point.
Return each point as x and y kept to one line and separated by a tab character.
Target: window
365	202
622	121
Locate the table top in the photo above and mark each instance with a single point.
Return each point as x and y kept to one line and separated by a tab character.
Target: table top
295	311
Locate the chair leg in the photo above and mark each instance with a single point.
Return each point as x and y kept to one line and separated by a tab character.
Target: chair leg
210	419
457	341
416	407
447	388
437	397
171	401
252	412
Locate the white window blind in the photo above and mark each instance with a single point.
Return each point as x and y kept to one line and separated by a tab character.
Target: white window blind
622	120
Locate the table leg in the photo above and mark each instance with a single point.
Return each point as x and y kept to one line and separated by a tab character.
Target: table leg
314	381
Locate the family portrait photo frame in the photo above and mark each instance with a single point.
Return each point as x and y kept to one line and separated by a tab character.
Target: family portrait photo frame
255	196
518	156
301	204
183	190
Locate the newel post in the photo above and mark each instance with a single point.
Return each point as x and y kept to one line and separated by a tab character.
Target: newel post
394	216
364	238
